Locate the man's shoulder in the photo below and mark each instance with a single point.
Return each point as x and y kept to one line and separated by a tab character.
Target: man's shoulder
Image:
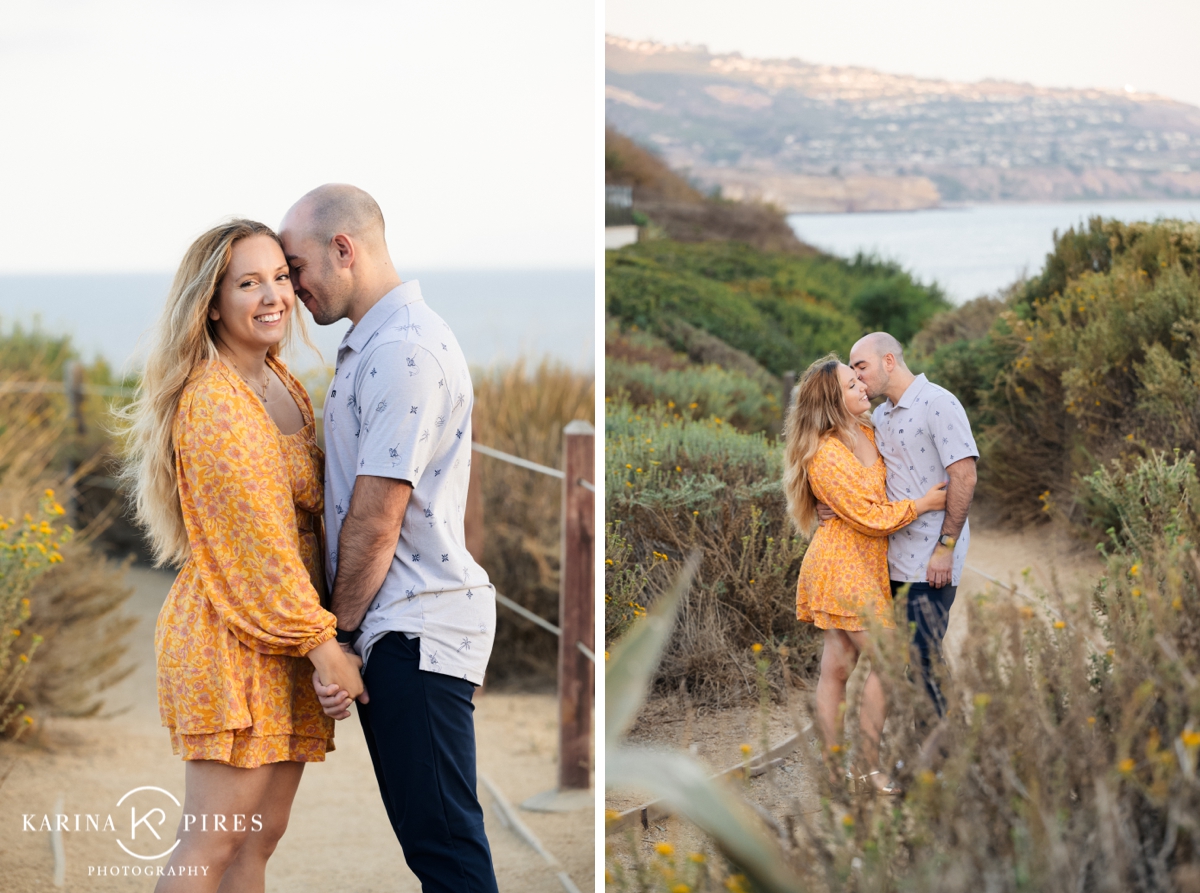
938	396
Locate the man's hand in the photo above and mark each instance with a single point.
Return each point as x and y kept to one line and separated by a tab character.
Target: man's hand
335	700
825	513
941	567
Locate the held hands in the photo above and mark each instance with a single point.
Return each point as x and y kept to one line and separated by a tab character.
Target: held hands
934	500
336	679
825	513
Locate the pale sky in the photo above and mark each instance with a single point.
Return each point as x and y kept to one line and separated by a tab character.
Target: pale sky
1151	45
130	127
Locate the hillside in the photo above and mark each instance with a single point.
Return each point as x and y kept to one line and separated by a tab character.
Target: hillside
823	138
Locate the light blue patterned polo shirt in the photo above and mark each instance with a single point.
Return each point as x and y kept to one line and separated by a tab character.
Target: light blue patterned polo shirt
926	430
399	406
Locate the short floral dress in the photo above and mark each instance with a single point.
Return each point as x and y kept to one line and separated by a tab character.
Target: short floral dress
233	684
844	577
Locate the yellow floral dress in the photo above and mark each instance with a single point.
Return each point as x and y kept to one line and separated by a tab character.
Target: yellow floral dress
844	577
233	684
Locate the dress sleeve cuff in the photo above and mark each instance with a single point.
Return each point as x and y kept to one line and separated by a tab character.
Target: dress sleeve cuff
319	639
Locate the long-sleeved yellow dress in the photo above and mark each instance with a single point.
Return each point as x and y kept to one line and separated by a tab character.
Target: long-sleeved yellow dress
844	577
233	684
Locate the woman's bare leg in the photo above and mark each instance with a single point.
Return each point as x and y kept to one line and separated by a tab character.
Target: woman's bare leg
872	714
248	872
214	789
839	655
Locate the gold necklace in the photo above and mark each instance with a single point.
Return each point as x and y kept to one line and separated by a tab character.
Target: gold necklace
246	378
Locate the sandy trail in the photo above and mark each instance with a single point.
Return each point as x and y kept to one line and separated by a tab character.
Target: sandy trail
716	736
338	837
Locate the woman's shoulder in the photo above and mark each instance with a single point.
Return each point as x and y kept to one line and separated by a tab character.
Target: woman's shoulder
213	393
830	451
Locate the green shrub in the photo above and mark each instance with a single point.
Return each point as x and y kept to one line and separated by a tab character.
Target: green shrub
782	309
1096	359
676	484
698	392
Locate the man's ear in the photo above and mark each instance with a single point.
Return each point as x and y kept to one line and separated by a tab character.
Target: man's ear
342	247
889	363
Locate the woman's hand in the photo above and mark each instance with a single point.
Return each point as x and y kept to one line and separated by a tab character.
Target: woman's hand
934	500
334	667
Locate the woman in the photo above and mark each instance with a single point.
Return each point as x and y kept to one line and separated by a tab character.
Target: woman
227	479
831	458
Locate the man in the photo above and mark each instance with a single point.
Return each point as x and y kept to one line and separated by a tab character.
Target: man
409	599
924	437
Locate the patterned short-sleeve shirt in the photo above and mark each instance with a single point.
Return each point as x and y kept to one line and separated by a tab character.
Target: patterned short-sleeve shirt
399	406
918	437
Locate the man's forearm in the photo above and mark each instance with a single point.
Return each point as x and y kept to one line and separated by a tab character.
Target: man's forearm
959	493
365	552
367	545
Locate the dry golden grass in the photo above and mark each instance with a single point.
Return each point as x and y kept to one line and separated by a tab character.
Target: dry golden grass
523	411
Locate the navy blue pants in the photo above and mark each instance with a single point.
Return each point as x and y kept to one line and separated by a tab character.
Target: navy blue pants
420	730
928	615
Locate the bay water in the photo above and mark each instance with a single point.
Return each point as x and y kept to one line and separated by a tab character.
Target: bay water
970	251
497	315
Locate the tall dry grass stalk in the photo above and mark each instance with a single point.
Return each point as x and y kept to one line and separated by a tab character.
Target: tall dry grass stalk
523	411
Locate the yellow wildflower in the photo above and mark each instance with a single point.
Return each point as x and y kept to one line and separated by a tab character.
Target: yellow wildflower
1125	766
757	646
745	749
982	700
698	858
1190	738
664	849
1135	570
848	821
1091	720
1058	624
24	658
49	494
1136	592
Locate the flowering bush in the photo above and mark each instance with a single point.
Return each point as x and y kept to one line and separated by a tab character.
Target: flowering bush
27	549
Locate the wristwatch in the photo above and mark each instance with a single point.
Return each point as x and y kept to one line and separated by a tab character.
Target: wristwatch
947	540
347	637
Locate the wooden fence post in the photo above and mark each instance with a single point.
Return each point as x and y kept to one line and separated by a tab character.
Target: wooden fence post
576	608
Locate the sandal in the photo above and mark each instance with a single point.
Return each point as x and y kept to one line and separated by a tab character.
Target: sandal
891	789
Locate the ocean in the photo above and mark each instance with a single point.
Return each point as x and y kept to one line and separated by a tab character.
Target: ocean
970	251
497	315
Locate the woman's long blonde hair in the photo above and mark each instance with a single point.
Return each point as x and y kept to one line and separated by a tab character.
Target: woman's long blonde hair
817	410
182	343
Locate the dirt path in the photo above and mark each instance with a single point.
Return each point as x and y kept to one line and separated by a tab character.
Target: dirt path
716	736
339	836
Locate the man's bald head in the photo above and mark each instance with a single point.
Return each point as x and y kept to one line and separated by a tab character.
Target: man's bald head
879	345
878	360
338	208
334	244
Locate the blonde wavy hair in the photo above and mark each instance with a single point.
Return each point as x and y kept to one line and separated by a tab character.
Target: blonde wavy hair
183	343
817	411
